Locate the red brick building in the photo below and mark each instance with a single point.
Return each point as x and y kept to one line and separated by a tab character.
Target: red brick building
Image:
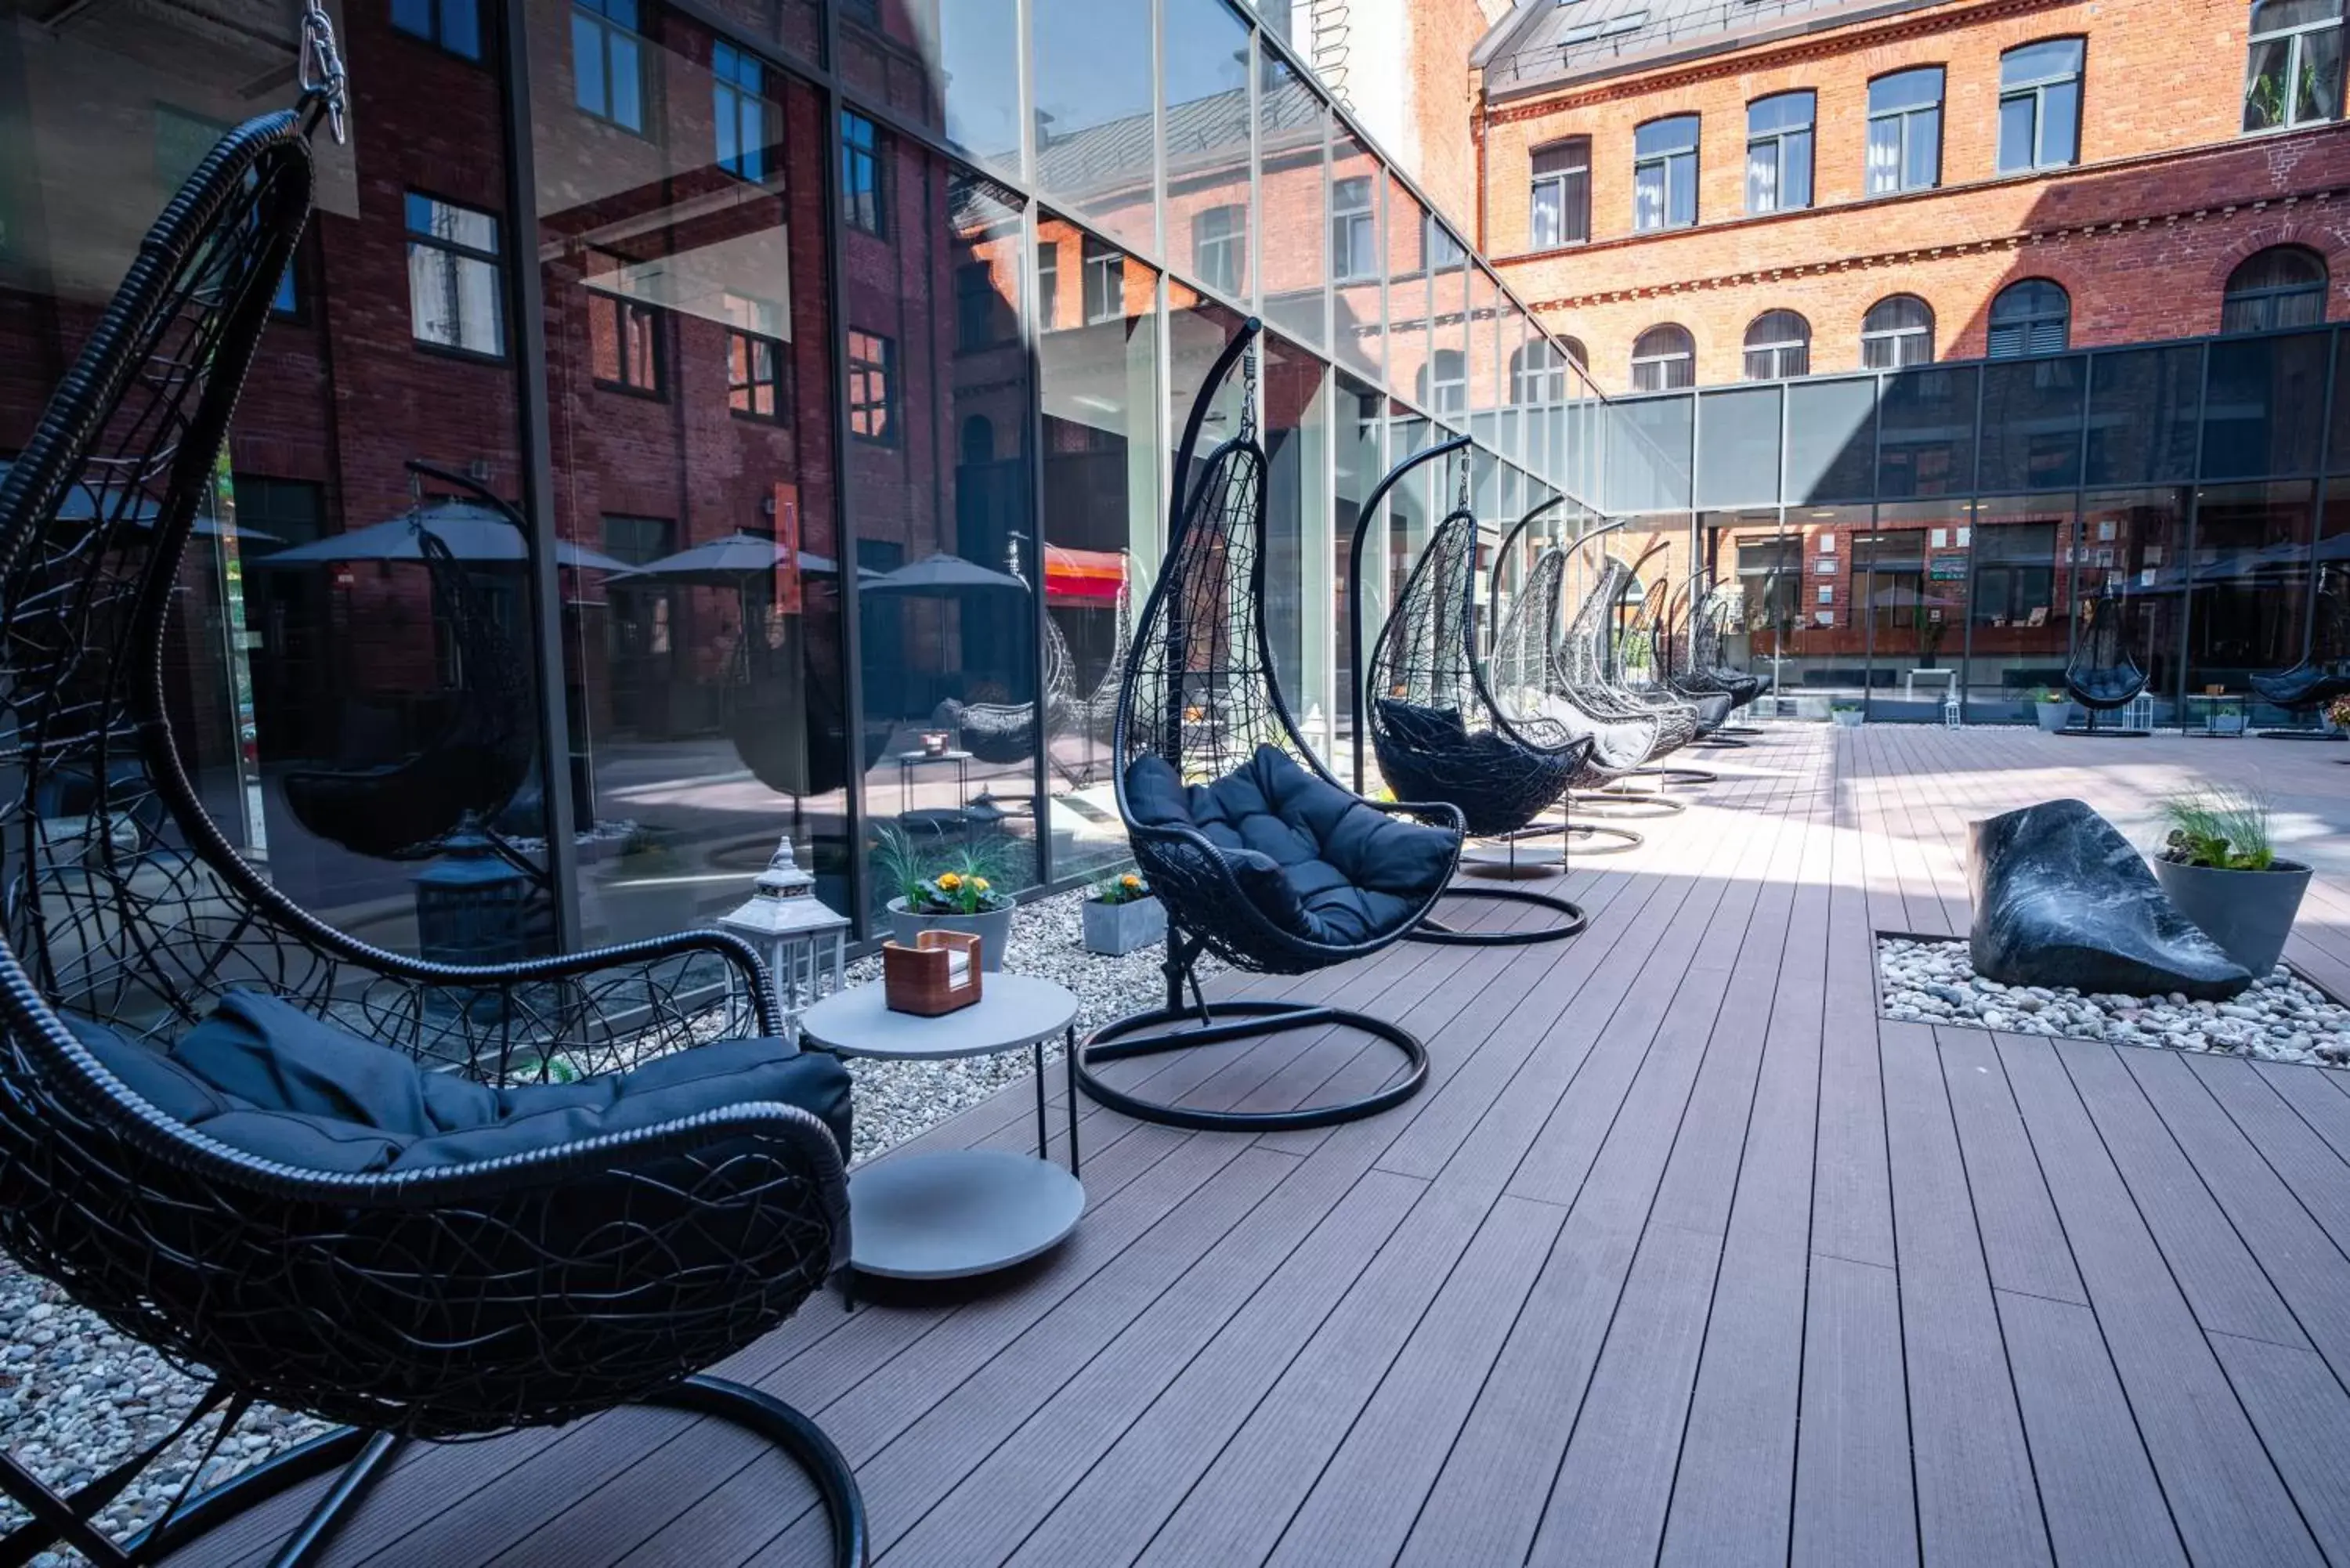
2114	161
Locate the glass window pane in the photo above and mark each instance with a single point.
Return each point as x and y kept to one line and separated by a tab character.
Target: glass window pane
1885	154
1093	88
1681	174
1737	456
1795	171
1291	126
2018	625
627	103
1296	501
965	84
1922	150
2060	119
1407	333
2130	559
2032	425
1648	454
1360	465
2269	15
2318	88
1831	441
2264	406
2038	62
1928	437
461	29
2266	73
1206	64
1104	526
2144	408
2015	143
1648	197
1906	90
2249	605
1355	292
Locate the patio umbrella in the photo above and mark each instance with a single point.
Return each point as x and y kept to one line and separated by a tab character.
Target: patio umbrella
725	562
80	505
473	532
941	573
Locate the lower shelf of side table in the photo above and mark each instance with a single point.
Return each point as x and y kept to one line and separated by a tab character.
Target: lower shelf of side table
958	1213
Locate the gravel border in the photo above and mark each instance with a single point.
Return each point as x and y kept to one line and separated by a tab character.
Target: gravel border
2281	1018
75	1398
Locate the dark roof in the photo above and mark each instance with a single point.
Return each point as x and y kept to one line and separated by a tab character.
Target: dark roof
1544	43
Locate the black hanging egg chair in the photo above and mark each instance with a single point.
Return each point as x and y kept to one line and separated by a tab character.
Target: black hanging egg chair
1260	856
1522	674
2323	674
1591	665
470	770
2104	674
433	1201
1433	722
1707	670
1004	733
1679	622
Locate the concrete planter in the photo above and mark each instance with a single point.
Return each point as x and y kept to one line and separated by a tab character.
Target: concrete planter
2248	913
1849	717
1116	928
992	929
2052	716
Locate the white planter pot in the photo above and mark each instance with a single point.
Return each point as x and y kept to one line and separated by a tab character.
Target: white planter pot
992	929
1849	717
2052	716
1115	928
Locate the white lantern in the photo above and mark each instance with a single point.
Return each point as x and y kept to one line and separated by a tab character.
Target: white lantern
803	941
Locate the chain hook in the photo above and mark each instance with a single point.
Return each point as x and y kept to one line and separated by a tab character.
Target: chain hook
320	70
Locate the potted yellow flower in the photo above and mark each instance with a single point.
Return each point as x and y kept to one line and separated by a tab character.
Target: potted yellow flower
1121	915
962	890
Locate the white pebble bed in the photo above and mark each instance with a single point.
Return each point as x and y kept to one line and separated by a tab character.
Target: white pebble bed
2281	1018
77	1398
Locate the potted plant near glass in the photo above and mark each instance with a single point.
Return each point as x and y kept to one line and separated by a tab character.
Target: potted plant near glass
959	889
1847	714
1121	915
2338	713
2053	709
2219	867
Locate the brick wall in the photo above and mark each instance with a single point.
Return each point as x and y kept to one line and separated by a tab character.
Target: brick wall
2167	197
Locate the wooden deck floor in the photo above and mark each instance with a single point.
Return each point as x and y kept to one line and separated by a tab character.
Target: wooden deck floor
1683	1257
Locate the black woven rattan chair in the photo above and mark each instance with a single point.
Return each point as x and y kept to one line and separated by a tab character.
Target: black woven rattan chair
2104	674
1677	627
468	772
1706	669
1435	728
1590	664
436	1286
1260	856
2324	673
1004	733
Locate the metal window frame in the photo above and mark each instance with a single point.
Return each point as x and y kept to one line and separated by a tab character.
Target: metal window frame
2036	90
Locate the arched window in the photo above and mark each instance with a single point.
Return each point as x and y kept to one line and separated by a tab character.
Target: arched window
2040	105
2294	76
1898	330
1778	344
2283	285
1577	352
2034	316
978	440
1664	358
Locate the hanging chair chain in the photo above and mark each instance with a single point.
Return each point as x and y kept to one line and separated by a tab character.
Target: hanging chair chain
320	72
1248	391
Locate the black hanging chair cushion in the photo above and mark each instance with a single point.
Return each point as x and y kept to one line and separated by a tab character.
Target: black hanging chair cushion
266	1078
1315	861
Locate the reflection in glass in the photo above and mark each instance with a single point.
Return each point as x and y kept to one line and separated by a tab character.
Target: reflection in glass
1297	498
2131	550
1738	461
706	691
1360	465
1093	123
1824	643
2248	608
949	562
1831	441
2032	425
2265	408
1291	126
1927	432
2019	623
1356	274
1103	531
1648	454
2144	408
1407	335
1908	587
1207	50
953	70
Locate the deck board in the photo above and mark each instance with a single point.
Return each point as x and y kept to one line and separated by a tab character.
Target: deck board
1682	1257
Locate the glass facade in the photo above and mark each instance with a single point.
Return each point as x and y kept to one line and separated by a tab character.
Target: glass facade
1894	537
833	360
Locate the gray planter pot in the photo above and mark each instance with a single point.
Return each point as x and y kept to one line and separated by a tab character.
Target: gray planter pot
2052	716
1115	928
2248	913
1849	717
993	929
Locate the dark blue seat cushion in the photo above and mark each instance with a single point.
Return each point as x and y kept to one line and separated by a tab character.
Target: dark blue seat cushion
263	1076
1315	859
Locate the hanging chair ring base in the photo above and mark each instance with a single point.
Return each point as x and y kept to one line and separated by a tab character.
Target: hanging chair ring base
1662	774
2085	734
1740	730
1243	1018
1630	803
363	1457
1571	922
2301	735
1623	840
1720	740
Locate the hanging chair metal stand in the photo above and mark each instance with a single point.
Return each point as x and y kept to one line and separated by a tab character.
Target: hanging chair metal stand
1570	917
1181	1025
364	1457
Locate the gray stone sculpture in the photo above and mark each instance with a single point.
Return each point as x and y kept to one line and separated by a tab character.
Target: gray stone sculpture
2062	898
